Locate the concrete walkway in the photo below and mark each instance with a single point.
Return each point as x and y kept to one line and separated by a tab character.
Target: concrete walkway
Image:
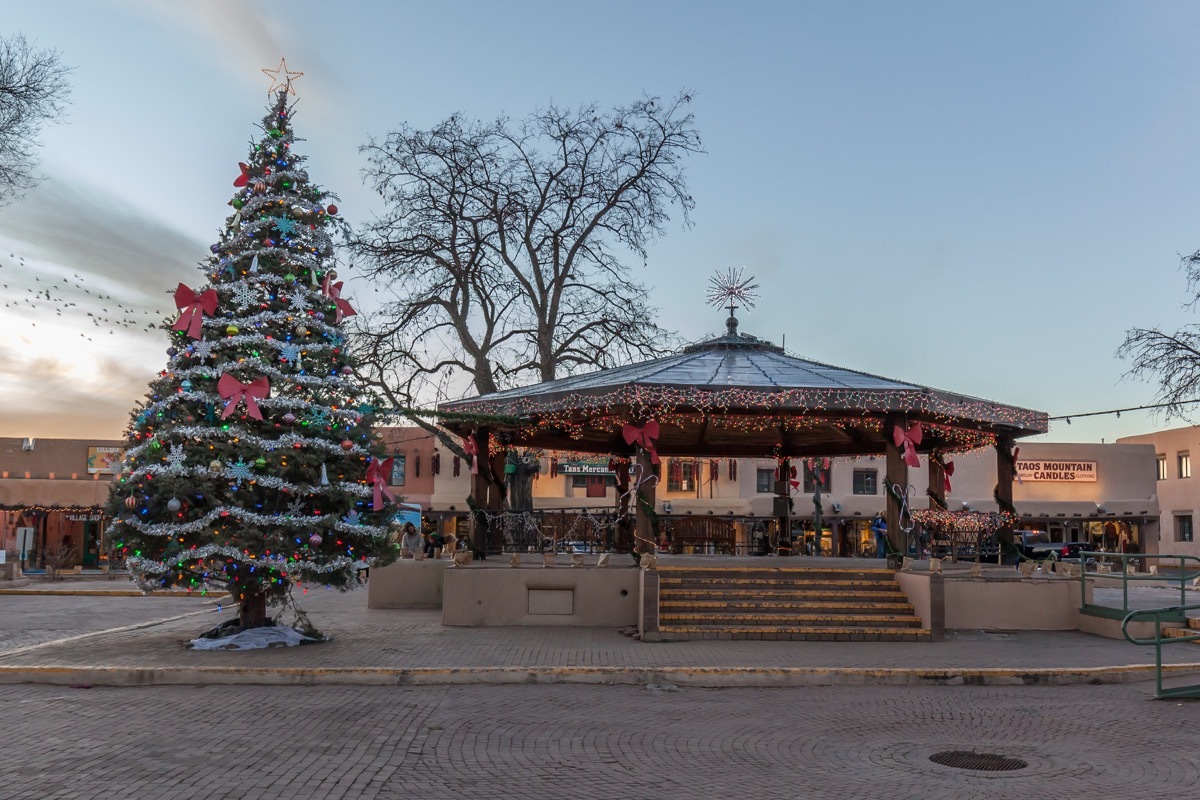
143	643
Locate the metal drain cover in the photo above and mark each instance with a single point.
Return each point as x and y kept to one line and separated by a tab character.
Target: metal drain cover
988	762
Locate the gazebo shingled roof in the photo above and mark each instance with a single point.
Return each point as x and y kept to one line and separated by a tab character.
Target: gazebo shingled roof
737	395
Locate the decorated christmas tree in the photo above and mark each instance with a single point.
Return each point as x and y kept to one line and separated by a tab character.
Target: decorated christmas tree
251	466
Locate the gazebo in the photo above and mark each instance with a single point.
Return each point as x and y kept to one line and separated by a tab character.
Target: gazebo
736	395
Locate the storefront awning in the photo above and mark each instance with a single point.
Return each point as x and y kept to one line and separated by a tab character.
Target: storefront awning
31	492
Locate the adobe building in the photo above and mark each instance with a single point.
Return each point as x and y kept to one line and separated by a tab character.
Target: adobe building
1178	491
52	493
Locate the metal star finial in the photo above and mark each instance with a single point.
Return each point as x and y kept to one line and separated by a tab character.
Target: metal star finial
281	77
733	287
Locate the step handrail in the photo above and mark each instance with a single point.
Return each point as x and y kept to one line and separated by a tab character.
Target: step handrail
1183	577
1172	614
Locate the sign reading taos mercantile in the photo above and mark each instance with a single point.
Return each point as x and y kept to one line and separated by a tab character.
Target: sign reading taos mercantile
1069	471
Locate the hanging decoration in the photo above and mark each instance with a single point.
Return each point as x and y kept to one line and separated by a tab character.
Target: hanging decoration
334	292
907	440
471	449
193	308
435	463
643	436
733	464
457	466
714	471
233	392
379	472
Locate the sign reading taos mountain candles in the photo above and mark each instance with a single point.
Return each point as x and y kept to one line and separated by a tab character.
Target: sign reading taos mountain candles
1069	471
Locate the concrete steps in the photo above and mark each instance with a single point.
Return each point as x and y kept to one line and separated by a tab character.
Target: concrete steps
1192	629
785	603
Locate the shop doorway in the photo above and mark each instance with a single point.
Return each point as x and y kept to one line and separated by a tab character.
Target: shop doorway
90	557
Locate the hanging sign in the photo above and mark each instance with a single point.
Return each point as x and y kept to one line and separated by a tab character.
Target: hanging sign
1062	471
582	468
103	460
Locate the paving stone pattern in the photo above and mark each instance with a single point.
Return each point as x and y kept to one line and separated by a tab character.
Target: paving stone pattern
416	639
33	619
303	743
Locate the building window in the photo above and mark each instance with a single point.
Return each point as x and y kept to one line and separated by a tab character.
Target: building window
1183	527
810	484
681	477
397	470
1160	463
764	483
865	481
579	481
1185	465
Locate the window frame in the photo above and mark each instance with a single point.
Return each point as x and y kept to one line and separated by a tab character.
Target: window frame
1183	461
1180	528
687	477
1160	466
399	470
862	472
810	485
770	482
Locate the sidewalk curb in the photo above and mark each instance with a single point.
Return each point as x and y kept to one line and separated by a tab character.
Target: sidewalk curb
701	677
103	593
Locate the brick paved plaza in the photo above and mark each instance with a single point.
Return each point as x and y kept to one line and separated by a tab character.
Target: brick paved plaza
293	743
476	739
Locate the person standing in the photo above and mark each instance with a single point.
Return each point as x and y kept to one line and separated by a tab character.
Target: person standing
410	542
879	528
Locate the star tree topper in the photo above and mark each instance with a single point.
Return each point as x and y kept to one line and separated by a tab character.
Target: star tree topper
281	77
733	287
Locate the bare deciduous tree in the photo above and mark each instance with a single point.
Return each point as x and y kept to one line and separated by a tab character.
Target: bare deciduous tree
503	254
33	92
1170	359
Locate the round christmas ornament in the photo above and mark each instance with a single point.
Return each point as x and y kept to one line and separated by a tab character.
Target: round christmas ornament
186	386
347	370
347	444
332	210
173	504
260	462
172	352
215	466
216	248
231	330
315	539
290	278
320	316
289	419
131	502
238	202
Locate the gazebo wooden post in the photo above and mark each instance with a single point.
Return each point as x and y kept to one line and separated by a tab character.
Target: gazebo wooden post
644	526
486	495
937	485
1004	487
896	474
783	516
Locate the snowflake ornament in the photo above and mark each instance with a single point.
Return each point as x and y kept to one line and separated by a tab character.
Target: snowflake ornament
296	509
244	295
175	459
353	518
285	226
299	302
290	353
202	351
239	471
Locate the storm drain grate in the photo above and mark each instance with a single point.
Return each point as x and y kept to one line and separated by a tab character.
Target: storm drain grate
990	762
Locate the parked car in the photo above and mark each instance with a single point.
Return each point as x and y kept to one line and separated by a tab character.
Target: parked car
1037	544
574	546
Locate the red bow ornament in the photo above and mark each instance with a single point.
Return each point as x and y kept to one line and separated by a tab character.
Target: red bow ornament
193	308
244	178
334	292
471	450
908	440
233	391
643	437
378	473
947	471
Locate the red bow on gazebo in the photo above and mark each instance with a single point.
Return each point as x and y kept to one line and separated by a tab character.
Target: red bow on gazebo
193	308
334	292
908	440
947	471
471	450
233	391
643	437
378	473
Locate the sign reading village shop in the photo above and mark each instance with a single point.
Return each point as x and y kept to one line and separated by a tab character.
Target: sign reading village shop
1068	471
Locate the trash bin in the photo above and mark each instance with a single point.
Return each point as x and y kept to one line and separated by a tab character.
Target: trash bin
894	560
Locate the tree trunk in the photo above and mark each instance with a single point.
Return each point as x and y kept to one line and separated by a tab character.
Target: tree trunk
252	613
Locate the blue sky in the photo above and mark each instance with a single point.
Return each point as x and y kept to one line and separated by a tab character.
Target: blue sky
977	197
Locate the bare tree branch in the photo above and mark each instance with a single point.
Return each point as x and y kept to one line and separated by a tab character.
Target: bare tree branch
504	246
33	92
